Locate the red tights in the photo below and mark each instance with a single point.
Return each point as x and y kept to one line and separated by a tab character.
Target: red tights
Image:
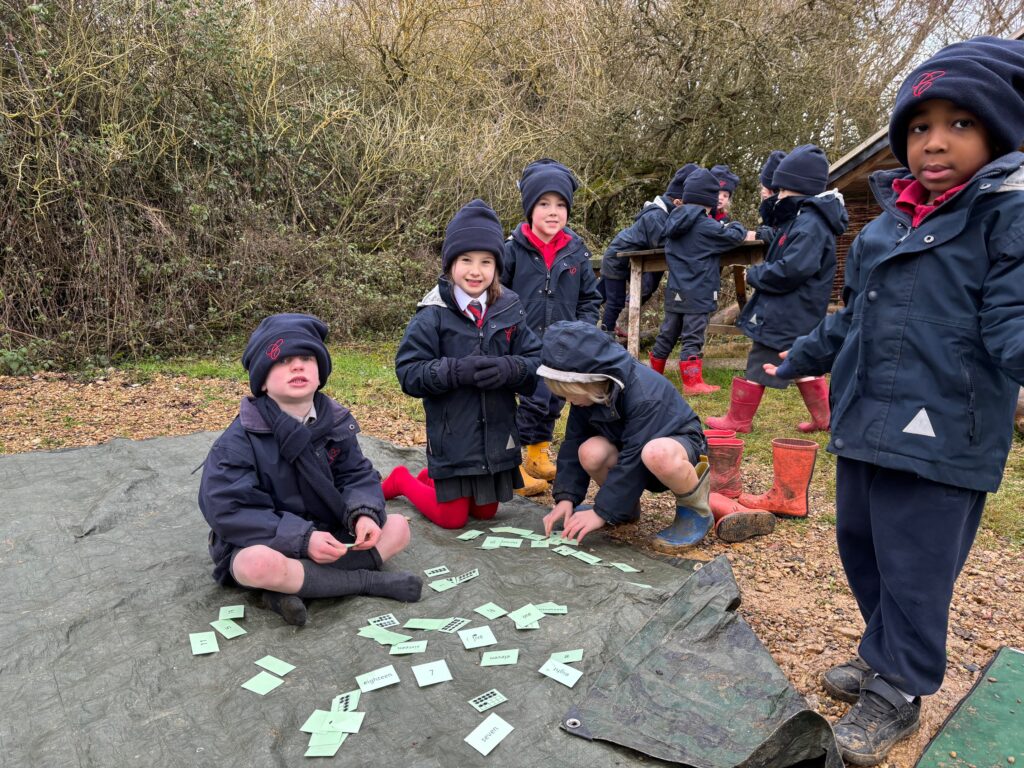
419	491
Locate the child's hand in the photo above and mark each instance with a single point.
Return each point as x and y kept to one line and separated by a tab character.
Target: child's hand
581	523
464	370
495	372
367	533
324	548
559	513
771	369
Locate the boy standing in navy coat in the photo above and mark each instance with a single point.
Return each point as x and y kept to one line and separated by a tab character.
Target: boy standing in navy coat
548	266
693	243
294	507
792	287
645	233
926	358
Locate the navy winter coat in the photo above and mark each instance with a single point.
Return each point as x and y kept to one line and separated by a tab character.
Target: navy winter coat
567	292
470	431
644	405
794	283
927	353
693	243
250	495
645	233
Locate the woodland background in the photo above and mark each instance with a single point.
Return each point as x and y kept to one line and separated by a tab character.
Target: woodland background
173	170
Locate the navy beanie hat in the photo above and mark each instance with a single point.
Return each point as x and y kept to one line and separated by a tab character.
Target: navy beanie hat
474	227
984	75
768	170
675	187
727	180
701	188
804	170
543	176
281	336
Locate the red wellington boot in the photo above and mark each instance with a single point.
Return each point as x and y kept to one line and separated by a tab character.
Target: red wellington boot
734	522
658	364
691	371
725	455
815	395
793	465
743	402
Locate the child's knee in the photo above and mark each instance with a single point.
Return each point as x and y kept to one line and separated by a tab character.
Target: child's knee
594	455
395	536
663	456
257	566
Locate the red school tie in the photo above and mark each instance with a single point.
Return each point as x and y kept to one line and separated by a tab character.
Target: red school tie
477	311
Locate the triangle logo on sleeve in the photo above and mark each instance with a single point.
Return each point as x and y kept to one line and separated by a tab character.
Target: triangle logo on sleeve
678	297
920	425
511	444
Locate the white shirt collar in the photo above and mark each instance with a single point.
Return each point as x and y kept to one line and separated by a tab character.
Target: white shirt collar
311	416
464	298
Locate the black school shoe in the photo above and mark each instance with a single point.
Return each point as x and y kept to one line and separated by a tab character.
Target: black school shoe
881	717
843	682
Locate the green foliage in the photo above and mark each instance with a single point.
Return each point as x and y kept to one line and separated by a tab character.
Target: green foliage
172	171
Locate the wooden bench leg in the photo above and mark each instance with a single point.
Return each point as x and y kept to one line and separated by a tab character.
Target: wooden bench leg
635	294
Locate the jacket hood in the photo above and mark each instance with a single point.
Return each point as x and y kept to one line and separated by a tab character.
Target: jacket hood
571	348
831	207
683	219
881	181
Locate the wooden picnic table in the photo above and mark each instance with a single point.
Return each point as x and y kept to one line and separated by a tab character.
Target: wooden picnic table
743	255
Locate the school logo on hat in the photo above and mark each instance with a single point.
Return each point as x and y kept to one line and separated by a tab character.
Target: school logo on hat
274	350
926	80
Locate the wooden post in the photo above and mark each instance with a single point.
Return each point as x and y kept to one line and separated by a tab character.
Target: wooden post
636	269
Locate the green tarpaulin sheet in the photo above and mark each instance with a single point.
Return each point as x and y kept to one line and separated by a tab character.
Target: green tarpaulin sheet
105	570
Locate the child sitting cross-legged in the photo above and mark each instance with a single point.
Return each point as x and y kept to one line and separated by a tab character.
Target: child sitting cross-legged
294	507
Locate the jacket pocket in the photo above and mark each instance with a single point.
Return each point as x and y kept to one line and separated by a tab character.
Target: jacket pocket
969	391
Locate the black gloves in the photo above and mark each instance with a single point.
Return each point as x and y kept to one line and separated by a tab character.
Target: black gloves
484	372
496	372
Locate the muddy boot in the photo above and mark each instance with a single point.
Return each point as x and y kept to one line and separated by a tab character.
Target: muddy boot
734	522
538	463
725	455
881	717
531	485
743	402
815	395
709	433
793	465
843	681
693	516
691	371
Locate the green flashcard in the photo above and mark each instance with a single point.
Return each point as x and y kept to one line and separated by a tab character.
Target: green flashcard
499	658
227	627
512	543
413	646
275	665
441	585
491	611
516	531
345	722
568	657
325	750
536	537
587	558
527	614
564	550
315	723
428	624
203	642
263	683
439	570
327	739
454	625
541	544
529	625
383	636
431	673
346	702
232	612
552	609
563	673
378	678
625	568
477	637
489	734
469	535
492	542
